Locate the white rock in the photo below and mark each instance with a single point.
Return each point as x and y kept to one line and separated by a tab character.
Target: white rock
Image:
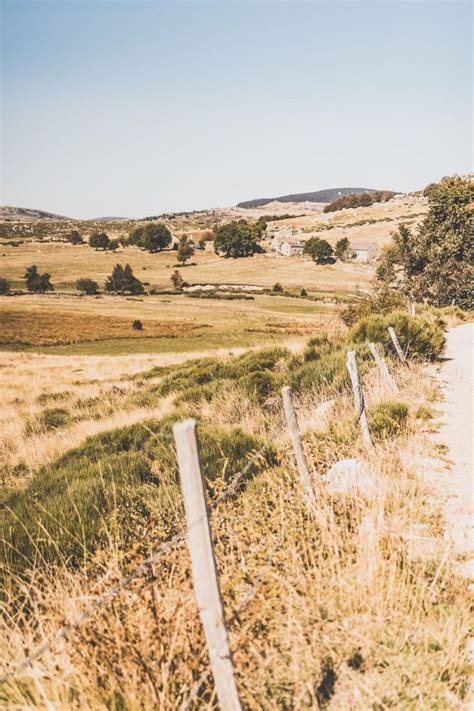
351	476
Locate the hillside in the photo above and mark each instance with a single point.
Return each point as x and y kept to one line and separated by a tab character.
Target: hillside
25	214
327	195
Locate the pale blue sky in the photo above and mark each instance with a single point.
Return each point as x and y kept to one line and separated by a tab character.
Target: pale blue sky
134	108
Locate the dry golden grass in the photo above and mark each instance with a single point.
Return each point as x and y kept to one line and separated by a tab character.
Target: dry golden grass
348	612
41	328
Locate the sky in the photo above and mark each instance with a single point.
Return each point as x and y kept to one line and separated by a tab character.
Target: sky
131	108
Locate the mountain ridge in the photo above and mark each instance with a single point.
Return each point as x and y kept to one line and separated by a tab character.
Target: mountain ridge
327	195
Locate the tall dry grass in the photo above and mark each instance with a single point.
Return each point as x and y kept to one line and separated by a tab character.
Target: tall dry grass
351	609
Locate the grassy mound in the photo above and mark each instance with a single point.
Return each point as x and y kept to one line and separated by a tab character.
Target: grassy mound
70	507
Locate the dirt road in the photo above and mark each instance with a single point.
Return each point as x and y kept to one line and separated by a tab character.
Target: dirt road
456	432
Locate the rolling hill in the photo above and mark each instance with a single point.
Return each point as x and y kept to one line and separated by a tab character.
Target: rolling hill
327	195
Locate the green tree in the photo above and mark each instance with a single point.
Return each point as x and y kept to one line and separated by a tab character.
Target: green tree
99	240
122	280
88	286
320	250
4	287
342	247
436	262
238	239
153	237
185	252
177	280
37	283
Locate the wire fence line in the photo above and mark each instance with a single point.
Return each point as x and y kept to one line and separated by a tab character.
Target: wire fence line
164	548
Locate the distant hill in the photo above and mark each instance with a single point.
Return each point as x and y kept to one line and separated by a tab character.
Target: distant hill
328	195
22	213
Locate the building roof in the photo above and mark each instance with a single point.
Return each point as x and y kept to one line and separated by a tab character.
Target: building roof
293	242
363	246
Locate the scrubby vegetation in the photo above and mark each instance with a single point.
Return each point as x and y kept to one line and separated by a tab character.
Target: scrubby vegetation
359	200
419	338
435	263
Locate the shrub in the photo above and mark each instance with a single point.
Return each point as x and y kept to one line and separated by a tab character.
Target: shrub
277	288
418	337
259	385
381	301
137	325
54	418
387	419
303	292
99	240
423	412
88	286
37	283
4	287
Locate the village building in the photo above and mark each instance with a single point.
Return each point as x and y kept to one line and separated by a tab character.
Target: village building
291	247
364	252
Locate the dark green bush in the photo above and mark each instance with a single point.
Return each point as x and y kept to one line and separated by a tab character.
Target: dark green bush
259	385
69	507
418	337
388	419
54	418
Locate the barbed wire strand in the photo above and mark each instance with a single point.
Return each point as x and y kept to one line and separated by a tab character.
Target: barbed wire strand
247	598
164	548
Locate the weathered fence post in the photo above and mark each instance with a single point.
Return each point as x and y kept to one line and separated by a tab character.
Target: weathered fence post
397	345
294	431
206	583
359	399
382	366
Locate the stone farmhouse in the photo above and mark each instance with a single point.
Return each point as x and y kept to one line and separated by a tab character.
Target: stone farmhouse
364	252
282	242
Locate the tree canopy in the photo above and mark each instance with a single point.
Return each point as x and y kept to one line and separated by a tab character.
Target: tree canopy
320	250
238	239
342	247
37	283
185	251
435	263
122	280
99	240
153	237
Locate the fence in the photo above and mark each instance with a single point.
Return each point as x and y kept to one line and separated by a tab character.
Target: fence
197	532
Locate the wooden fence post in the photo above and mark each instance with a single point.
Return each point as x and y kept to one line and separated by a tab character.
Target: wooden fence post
359	399
206	583
397	345
383	367
294	431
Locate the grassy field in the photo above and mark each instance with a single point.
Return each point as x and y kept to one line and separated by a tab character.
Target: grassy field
67	263
355	606
61	324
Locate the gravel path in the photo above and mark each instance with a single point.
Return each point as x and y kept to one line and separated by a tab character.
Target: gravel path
456	432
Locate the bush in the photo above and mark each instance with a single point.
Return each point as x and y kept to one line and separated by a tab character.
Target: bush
418	337
88	286
54	418
122	280
277	288
259	385
137	325
37	283
387	419
4	287
381	301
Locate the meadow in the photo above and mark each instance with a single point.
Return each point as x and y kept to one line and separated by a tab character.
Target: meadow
356	607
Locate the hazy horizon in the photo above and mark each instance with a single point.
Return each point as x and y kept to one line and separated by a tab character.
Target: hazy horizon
131	109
